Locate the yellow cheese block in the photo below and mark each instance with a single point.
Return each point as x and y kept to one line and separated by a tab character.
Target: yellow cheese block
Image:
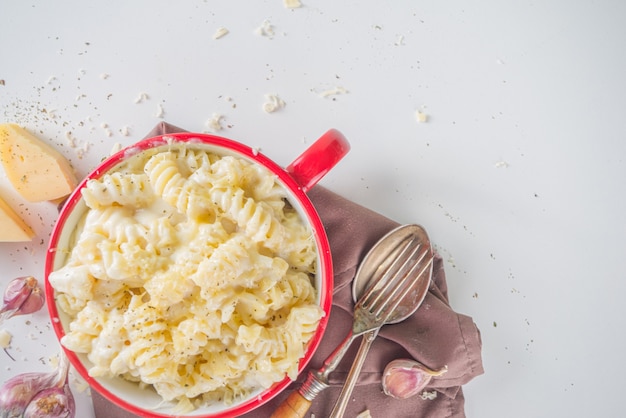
37	171
12	227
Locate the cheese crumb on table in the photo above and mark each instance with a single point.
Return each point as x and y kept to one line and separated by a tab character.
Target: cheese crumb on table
214	124
221	32
273	103
421	116
333	92
141	97
5	338
160	111
292	4
266	29
429	396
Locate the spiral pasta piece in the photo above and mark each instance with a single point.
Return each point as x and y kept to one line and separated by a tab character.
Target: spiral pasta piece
118	188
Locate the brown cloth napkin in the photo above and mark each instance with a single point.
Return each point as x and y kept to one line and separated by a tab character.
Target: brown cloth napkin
435	335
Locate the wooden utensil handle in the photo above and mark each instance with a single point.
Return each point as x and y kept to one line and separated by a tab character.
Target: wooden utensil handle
295	406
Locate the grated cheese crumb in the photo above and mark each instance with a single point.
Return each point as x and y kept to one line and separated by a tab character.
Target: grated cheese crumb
429	396
365	414
221	32
273	103
5	338
125	131
292	4
333	92
421	116
214	124
160	111
104	76
266	29
116	148
141	97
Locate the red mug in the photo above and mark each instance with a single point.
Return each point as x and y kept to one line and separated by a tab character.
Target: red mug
297	178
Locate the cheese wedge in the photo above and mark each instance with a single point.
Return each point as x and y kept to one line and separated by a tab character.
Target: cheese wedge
37	171
12	227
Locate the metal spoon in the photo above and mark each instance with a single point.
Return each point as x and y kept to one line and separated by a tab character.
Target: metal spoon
395	252
410	287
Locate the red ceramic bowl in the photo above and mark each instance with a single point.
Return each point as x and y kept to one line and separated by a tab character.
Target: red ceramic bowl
297	179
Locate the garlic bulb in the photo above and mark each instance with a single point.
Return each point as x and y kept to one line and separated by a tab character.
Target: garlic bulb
30	395
403	378
17	392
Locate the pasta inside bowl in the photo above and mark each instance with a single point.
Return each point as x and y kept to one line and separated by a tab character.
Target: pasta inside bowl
190	276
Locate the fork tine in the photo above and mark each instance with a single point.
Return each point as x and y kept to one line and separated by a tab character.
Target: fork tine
399	287
389	273
406	286
394	274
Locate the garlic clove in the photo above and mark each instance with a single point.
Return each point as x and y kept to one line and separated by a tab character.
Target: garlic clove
21	296
17	392
34	302
403	378
50	390
55	402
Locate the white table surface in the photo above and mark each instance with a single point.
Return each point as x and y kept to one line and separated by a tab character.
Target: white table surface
517	174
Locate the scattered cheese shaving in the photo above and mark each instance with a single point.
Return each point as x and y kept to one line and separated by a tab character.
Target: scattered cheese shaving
116	148
104	76
365	414
214	124
429	396
125	131
292	4
273	103
51	113
421	116
333	92
5	338
266	29
141	97
160	111
221	32
501	164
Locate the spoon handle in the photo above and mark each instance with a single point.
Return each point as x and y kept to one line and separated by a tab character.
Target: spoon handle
353	376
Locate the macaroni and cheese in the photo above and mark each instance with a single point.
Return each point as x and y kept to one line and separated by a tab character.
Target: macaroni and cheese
192	273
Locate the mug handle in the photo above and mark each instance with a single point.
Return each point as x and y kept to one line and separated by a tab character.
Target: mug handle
317	160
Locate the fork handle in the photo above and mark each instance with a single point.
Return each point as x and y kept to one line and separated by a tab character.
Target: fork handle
353	376
295	406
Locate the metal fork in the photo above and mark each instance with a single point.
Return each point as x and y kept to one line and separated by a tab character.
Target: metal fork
390	273
402	293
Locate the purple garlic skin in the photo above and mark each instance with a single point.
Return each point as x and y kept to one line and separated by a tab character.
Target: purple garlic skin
38	394
17	392
403	378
